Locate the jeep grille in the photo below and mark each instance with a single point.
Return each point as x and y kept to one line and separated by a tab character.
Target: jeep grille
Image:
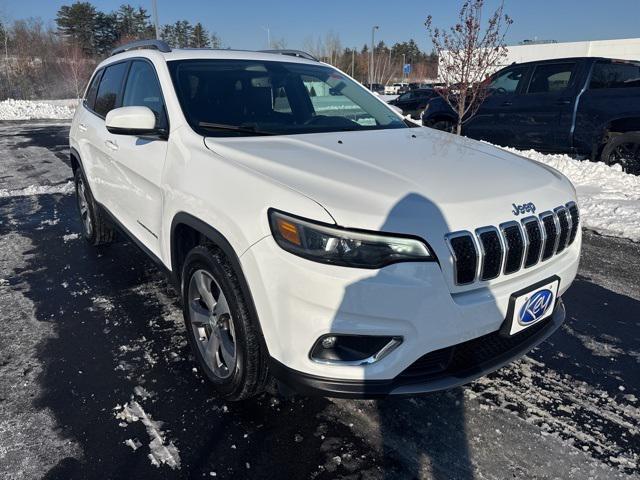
491	252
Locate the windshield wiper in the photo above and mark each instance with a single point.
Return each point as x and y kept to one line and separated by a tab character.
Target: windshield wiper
234	128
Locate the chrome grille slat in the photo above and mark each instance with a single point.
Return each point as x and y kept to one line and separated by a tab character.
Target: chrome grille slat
535	238
575	220
514	245
565	227
550	227
491	251
465	257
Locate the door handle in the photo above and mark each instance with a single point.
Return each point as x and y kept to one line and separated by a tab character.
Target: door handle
507	104
82	127
110	144
563	101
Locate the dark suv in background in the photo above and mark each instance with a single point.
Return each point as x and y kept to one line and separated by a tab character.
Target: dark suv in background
588	106
414	101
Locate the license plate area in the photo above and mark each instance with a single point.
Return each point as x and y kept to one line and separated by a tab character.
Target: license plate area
530	306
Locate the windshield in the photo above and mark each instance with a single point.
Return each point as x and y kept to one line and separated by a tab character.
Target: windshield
247	97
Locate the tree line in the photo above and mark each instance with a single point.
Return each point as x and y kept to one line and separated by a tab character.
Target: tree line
39	61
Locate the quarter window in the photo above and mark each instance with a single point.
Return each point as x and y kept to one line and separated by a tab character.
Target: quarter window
143	90
551	78
110	88
90	97
615	75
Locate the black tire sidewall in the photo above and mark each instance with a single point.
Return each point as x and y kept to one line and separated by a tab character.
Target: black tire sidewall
79	177
201	258
611	145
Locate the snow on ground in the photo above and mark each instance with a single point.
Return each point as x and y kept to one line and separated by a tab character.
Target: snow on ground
37	190
609	199
160	452
30	109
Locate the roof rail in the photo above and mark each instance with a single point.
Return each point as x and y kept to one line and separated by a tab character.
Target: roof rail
140	44
292	53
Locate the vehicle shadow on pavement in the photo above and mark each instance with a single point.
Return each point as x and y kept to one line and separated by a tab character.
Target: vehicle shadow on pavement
119	338
427	434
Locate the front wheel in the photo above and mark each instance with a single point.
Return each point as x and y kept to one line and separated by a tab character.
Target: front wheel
623	150
222	332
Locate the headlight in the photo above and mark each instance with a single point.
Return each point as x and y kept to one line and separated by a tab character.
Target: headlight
349	248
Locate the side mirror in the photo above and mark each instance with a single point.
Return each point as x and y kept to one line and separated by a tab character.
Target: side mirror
137	121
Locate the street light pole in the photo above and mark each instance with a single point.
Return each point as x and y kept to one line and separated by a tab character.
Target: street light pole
371	70
154	7
353	62
403	64
268	30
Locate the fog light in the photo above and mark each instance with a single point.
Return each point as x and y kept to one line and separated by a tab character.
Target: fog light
328	342
353	349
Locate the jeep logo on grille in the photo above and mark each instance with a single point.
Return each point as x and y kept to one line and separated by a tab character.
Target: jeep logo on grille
524	208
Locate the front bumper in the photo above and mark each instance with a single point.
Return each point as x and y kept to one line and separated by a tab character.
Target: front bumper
445	369
299	301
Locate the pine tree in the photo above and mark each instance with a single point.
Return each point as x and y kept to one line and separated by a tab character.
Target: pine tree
106	33
199	37
177	35
132	23
77	22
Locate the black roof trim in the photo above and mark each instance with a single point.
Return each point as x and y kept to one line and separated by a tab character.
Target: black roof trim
142	44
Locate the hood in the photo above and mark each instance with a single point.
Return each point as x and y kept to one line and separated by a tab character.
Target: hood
413	180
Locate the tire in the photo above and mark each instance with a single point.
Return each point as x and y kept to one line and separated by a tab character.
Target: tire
96	228
623	150
223	334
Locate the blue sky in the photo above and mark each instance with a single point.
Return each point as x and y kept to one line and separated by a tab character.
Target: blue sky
240	23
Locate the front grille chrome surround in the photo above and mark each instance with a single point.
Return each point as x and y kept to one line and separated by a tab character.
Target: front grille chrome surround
491	252
464	250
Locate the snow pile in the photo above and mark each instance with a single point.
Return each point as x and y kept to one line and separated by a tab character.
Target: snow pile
30	109
161	453
609	199
38	190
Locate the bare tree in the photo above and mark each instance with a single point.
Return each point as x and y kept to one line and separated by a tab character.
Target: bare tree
75	67
467	54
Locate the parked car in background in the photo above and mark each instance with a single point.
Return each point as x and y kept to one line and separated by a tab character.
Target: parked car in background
376	88
395	88
414	102
587	106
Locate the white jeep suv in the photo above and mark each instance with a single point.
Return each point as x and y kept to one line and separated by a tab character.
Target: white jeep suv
317	238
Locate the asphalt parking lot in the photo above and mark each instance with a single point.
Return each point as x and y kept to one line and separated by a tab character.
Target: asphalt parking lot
86	331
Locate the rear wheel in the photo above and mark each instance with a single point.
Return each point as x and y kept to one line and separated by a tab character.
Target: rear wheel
222	333
96	228
623	150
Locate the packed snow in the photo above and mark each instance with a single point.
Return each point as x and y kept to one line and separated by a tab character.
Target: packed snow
67	187
161	452
30	109
609	199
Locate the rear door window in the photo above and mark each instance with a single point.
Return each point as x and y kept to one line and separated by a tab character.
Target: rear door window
110	89
551	78
615	75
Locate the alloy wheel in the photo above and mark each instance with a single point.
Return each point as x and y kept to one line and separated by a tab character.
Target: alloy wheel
212	324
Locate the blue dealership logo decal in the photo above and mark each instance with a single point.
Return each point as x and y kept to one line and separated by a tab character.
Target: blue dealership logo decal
535	307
